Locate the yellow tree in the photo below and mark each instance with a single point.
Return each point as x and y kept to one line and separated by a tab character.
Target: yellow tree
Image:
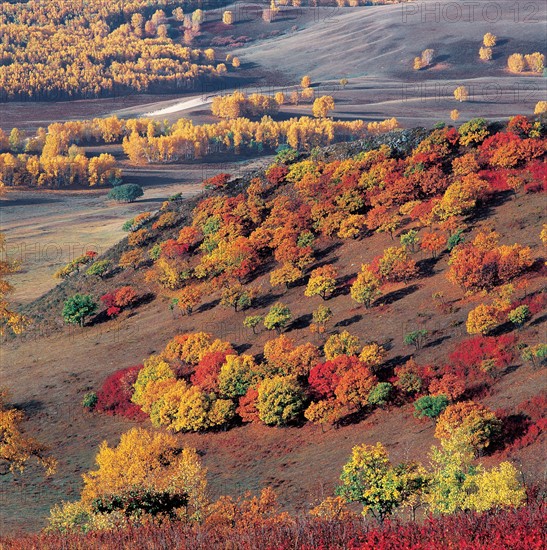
322	282
489	40
461	93
322	106
148	461
9	318
17	449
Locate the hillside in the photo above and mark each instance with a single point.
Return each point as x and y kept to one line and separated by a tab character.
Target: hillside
55	365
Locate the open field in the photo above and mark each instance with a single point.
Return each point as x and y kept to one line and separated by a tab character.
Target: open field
46	229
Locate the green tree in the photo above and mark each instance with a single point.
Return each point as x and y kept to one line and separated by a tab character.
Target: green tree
99	268
128	192
278	317
416	338
519	315
280	400
236	375
380	394
77	308
430	406
410	240
252	321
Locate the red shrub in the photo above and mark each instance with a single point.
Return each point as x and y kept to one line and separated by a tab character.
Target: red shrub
114	397
276	173
325	377
515	529
247	406
217	182
535	303
524	428
471	353
172	249
206	374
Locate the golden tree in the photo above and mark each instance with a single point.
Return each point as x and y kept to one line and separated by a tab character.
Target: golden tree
9	318
461	93
17	449
489	40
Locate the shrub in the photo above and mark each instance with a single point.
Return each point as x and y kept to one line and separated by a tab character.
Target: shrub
416	338
90	400
278	317
114	396
380	394
128	192
471	353
77	308
430	406
280	400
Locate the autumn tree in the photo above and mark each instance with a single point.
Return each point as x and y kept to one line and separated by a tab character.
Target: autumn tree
9	318
16	448
236	375
322	106
461	93
366	287
482	319
277	317
433	243
516	63
305	82
320	316
489	40
322	282
152	462
285	275
370	479
471	422
280	400
341	344
485	54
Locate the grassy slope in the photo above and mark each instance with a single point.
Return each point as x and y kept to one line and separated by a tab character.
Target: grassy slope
53	370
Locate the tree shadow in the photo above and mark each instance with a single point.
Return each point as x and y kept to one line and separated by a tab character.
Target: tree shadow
266	300
349	321
426	267
242	348
396	295
437	341
343	285
301	322
30	407
208	305
539	320
320	254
